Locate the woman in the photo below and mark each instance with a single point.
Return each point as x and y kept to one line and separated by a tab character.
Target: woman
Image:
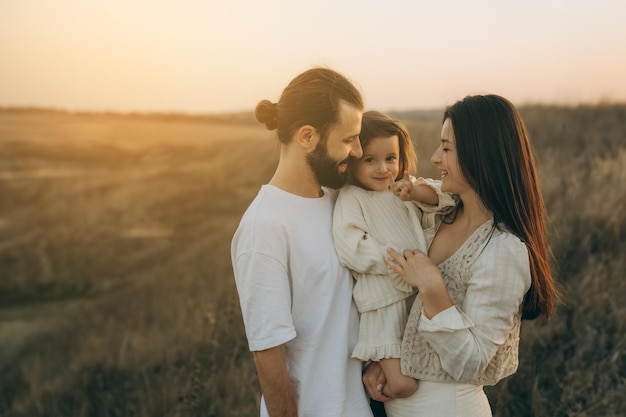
486	269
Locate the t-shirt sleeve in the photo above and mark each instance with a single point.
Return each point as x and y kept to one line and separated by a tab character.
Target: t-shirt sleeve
265	297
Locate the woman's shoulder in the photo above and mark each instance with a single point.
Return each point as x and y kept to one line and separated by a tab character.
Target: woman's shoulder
504	257
504	237
504	248
503	241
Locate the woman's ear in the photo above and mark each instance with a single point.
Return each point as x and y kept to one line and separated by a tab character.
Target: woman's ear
307	137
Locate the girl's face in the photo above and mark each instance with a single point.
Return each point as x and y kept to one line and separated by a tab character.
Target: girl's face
446	159
379	165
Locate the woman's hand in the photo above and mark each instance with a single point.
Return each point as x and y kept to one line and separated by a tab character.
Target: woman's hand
418	270
374	381
413	266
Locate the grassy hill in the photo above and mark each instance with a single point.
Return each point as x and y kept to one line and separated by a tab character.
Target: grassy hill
116	290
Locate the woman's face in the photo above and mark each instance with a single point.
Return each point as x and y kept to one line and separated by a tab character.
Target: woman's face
380	164
446	159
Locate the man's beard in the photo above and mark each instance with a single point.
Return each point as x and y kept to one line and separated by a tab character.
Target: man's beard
325	168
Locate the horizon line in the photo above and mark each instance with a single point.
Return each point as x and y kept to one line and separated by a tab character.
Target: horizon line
195	114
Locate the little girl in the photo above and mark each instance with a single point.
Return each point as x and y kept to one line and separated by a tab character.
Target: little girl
369	218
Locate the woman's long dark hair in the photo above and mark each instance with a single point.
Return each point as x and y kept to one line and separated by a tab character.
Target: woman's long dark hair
496	159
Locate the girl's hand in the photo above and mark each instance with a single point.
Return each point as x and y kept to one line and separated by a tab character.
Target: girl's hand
403	188
374	381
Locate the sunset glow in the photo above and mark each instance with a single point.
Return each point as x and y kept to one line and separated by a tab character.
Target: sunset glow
207	56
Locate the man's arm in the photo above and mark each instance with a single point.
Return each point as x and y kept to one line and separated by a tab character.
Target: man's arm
280	398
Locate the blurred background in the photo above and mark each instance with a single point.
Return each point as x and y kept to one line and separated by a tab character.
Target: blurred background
128	153
224	56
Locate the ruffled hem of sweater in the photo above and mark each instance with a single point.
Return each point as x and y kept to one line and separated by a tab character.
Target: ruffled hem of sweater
376	353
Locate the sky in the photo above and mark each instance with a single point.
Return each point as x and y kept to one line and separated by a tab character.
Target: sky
224	56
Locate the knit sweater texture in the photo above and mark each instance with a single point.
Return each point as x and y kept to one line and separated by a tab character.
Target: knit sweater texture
476	341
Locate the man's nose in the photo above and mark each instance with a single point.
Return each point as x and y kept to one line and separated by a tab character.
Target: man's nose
357	150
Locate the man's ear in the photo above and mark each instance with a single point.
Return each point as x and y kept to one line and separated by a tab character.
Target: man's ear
307	137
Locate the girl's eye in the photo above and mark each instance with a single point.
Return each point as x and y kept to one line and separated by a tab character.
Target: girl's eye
391	158
369	160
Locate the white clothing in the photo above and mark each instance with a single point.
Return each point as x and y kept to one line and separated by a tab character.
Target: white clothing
474	342
365	224
293	291
440	399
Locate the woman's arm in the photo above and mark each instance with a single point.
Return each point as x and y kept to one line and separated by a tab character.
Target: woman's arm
466	337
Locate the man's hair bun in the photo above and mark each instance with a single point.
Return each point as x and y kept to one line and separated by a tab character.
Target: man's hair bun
267	114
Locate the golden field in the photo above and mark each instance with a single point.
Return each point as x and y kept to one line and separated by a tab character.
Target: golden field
116	289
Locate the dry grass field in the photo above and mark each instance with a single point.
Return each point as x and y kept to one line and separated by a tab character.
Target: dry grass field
116	289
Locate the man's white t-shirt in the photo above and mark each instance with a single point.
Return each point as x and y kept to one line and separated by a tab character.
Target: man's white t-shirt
293	291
